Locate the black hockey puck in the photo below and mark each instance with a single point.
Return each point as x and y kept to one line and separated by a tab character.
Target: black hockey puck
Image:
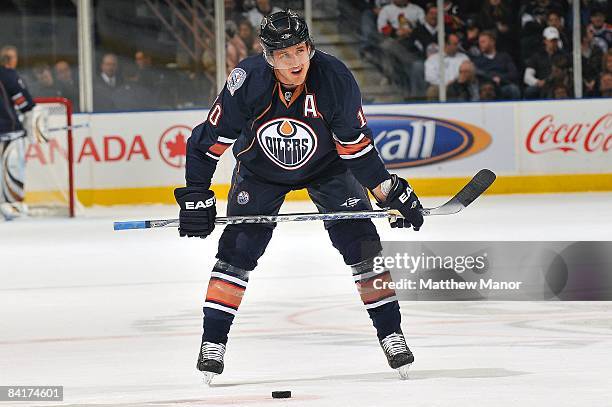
285	394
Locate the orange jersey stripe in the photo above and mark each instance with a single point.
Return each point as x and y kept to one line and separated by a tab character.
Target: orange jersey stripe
369	293
349	149
224	292
218	148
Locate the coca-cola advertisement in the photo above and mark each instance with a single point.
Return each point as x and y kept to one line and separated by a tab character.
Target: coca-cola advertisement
566	137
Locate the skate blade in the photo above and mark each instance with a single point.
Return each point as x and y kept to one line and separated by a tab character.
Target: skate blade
208	377
403	371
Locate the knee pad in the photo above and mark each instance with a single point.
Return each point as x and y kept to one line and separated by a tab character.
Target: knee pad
242	245
356	240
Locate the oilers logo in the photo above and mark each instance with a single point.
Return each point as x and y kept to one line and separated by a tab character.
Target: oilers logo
289	143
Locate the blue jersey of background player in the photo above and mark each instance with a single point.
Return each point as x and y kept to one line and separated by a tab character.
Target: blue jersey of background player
295	121
13	96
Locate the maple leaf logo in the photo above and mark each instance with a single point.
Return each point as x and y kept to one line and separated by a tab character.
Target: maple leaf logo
172	145
178	146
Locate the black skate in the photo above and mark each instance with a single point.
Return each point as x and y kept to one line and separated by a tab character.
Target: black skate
397	352
210	360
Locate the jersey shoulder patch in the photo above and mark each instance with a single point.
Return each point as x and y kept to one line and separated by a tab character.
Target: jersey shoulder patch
235	80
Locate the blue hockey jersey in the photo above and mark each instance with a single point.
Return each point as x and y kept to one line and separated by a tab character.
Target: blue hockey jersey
13	94
283	136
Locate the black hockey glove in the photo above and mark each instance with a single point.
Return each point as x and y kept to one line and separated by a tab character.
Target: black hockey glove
198	211
402	198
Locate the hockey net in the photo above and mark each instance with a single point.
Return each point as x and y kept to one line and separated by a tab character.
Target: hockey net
49	179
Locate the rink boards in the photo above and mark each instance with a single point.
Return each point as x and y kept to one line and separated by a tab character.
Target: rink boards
534	147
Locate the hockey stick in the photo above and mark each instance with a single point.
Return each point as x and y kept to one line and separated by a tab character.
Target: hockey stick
73	127
41	130
477	185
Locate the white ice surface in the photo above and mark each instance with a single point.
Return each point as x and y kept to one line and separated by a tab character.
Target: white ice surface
115	317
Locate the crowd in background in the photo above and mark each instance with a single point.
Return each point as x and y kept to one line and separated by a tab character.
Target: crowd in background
494	49
138	82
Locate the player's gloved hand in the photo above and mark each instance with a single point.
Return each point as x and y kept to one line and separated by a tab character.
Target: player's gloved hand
198	211
401	197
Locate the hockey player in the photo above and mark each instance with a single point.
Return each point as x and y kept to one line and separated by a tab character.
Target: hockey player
295	121
13	95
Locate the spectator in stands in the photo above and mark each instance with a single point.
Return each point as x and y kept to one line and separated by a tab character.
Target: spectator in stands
605	85
452	61
560	91
496	16
559	76
66	82
533	22
396	23
426	32
432	94
487	91
9	57
554	19
144	75
236	50
469	42
106	82
466	87
44	85
601	31
109	68
247	35
536	11
497	66
263	8
454	14
131	94
398	16
142	60
369	11
607	62
591	62
539	65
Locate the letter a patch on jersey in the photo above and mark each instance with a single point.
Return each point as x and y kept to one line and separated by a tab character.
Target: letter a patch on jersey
310	106
235	80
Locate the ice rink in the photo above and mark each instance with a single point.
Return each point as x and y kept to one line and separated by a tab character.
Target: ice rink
115	317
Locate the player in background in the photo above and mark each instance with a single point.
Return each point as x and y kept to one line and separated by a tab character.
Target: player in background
13	96
294	118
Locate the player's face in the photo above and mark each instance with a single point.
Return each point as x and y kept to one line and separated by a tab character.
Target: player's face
11	59
291	64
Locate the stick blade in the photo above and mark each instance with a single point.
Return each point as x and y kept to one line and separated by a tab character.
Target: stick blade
477	185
